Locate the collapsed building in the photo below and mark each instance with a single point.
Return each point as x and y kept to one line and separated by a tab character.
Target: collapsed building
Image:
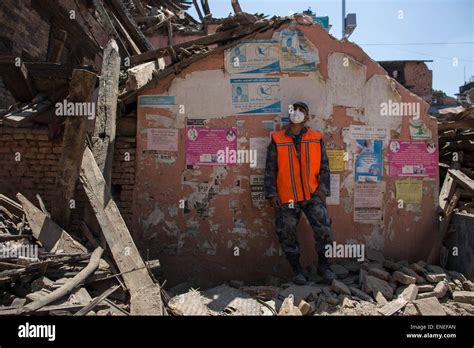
172	93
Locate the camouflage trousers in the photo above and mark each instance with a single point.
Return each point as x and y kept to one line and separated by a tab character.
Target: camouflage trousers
287	218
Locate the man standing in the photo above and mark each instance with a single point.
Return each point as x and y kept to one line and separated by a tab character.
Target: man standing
297	179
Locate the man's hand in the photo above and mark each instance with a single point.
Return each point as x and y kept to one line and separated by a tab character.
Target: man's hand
275	202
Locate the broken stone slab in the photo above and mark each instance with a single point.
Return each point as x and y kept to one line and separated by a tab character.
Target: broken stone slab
352	266
350	280
42	283
347	302
417	268
464	296
380	299
457	275
304	307
410	310
410	292
439	290
360	294
379	273
393	306
224	297
300	292
412	273
429	306
403	278
340	287
392	266
435	277
341	271
288	307
468	285
425	288
374	255
435	269
372	285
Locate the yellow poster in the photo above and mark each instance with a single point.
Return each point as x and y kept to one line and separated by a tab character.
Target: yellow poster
336	160
409	191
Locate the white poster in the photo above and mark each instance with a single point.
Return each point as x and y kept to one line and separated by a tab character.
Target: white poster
334	199
253	56
259	147
256	95
297	53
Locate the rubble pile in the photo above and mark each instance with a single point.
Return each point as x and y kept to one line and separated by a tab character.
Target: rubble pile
377	286
43	274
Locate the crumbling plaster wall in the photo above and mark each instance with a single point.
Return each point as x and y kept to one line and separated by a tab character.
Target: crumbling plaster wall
200	242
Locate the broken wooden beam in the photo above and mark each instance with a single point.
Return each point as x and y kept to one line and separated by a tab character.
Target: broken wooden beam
103	138
74	141
236	6
45	230
16	78
144	293
68	286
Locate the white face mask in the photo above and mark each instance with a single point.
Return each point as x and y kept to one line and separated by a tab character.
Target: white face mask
297	116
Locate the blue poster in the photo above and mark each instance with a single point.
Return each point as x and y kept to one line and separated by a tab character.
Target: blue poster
368	160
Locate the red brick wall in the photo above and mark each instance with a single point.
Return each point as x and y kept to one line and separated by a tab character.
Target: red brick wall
37	168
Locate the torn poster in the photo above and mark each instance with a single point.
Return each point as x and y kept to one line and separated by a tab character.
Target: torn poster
253	56
256	95
368	160
368	202
256	190
334	198
297	53
409	191
336	160
205	145
419	130
161	101
368	132
258	146
162	139
269	125
412	158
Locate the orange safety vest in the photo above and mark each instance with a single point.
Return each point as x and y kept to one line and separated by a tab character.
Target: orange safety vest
297	179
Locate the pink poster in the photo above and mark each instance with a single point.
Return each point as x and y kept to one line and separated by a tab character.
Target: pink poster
210	146
412	158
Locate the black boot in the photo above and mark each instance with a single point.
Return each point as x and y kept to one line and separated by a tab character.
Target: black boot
323	268
300	278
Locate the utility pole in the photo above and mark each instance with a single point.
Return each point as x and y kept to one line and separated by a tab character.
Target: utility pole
343	18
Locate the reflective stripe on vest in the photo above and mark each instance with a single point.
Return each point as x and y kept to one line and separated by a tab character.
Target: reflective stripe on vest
297	179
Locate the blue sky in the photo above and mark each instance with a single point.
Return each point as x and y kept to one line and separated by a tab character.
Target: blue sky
431	28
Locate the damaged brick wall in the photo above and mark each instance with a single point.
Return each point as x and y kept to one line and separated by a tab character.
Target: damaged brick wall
35	170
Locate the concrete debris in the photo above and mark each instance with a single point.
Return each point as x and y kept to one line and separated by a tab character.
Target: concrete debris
429	306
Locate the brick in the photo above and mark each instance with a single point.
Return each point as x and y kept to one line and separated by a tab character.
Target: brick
341	271
380	298
434	277
379	273
429	306
410	293
463	296
403	278
19	136
374	255
304	307
340	287
360	294
372	285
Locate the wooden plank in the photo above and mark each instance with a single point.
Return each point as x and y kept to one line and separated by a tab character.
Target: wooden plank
145	294
68	286
462	179
203	41
103	138
447	191
53	237
236	6
17	79
97	300
130	25
74	139
133	47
